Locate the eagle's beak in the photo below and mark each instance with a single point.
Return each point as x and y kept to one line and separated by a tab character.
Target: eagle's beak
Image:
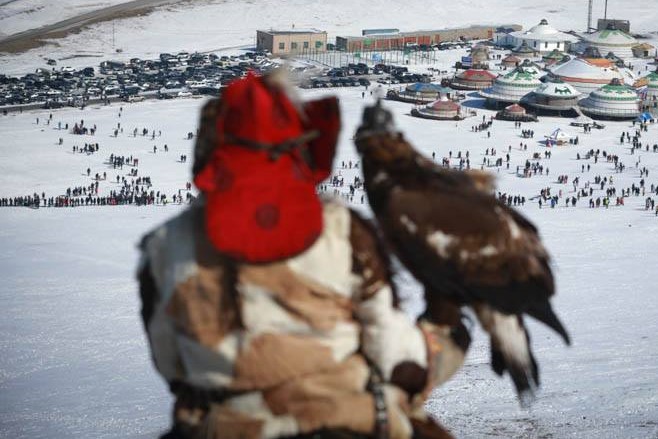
376	120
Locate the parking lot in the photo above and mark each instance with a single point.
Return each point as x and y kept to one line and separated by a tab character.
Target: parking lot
172	75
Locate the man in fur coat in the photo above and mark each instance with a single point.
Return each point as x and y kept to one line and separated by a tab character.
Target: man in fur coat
271	313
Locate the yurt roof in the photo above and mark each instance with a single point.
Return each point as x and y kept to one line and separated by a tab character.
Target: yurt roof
477	75
610	36
512	58
515	108
554	54
520	76
616	90
544	32
579	68
444	105
424	87
557	89
600	62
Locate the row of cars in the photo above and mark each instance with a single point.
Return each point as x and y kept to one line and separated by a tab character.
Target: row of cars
404	78
194	73
324	82
381	73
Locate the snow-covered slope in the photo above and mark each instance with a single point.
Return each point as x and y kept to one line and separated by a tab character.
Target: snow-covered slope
205	25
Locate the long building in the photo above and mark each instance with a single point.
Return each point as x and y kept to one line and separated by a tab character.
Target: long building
401	40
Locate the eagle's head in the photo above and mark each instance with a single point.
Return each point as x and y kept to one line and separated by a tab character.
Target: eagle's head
378	141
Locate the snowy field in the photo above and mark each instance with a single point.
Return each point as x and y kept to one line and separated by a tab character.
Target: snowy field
75	363
73	356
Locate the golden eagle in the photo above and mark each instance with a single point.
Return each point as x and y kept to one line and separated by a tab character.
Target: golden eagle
466	247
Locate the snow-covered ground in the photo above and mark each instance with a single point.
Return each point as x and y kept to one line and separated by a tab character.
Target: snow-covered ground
75	363
73	357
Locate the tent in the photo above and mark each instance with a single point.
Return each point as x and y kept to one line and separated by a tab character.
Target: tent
644	117
582	120
558	137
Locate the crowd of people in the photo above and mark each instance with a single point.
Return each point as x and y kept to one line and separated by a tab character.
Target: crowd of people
129	188
122	189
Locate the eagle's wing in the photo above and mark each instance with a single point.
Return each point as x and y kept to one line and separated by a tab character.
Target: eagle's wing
466	244
484	255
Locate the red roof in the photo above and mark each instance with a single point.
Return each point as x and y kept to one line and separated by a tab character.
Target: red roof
477	75
515	108
444	105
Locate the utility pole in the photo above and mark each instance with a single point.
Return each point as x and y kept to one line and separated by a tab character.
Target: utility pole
112	34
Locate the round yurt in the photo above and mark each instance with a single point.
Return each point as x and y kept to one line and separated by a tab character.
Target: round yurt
612	101
511	87
515	112
510	61
480	56
612	40
524	51
420	92
472	79
544	38
553	57
583	75
442	109
554	96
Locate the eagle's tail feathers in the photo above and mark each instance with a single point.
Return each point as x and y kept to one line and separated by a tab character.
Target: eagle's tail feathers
545	314
510	351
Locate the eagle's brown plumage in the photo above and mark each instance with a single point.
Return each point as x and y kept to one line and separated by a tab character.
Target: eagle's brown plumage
464	246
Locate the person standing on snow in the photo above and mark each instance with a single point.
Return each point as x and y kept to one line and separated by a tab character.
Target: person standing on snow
272	313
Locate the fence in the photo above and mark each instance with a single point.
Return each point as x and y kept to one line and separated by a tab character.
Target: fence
337	58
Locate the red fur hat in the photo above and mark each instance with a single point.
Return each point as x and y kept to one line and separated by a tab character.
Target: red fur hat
259	178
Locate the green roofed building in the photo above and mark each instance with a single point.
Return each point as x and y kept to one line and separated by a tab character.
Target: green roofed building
553	96
611	40
510	88
612	101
